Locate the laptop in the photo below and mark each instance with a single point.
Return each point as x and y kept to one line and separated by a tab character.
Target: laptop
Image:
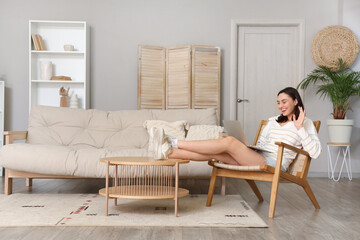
235	129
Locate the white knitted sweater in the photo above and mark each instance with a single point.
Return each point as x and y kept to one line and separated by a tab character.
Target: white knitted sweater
305	138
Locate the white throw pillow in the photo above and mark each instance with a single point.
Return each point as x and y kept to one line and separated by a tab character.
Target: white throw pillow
204	132
173	129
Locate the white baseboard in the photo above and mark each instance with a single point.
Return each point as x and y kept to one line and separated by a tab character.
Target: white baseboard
325	174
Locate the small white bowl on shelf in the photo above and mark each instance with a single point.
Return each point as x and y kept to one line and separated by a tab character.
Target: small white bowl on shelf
68	47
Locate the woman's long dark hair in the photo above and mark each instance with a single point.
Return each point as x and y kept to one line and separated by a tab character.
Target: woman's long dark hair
294	94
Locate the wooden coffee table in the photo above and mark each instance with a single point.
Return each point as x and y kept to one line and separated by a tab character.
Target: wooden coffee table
143	178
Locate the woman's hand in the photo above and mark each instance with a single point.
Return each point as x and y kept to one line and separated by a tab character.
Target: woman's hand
223	135
299	122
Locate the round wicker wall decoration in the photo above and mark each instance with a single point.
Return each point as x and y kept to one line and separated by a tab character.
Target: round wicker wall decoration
332	43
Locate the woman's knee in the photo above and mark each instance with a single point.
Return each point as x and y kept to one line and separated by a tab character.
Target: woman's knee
229	141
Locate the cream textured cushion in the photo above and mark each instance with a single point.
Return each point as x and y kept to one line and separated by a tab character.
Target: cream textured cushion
173	129
81	161
67	141
204	132
192	116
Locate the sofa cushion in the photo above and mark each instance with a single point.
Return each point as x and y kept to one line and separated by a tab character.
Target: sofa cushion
95	128
102	129
81	161
192	116
65	141
61	160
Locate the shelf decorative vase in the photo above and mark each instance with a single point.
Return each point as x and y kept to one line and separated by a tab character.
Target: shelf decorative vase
46	70
63	99
74	101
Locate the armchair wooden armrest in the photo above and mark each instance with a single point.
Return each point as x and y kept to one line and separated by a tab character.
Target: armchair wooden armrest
298	150
11	136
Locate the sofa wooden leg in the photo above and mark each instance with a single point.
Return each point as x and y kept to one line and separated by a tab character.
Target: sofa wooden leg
8	183
28	182
211	187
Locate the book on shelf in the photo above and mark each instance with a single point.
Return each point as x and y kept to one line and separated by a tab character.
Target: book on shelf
38	42
61	78
41	42
35	42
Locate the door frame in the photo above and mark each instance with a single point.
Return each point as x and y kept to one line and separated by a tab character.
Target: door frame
235	24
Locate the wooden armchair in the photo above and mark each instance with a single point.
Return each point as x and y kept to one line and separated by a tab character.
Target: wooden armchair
297	173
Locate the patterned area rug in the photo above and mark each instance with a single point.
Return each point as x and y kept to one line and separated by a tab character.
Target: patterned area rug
89	210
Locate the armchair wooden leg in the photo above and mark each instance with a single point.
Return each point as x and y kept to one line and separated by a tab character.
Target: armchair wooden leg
274	192
211	187
8	183
29	182
255	189
310	194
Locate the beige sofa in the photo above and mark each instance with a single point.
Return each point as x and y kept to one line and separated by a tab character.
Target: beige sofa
68	143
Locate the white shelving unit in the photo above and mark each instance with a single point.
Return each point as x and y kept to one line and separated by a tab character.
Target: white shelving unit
2	109
74	64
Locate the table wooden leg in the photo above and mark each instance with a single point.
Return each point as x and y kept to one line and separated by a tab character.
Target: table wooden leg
116	181
176	188
107	189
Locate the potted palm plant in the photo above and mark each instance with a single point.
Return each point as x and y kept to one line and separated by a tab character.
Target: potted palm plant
339	85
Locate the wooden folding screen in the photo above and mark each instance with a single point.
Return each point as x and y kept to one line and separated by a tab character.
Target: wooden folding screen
178	77
151	75
206	77
191	78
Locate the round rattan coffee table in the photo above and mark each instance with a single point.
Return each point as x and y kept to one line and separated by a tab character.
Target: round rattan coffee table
142	178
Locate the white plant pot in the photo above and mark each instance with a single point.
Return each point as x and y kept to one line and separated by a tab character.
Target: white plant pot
340	130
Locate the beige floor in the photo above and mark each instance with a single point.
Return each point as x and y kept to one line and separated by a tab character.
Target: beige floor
295	218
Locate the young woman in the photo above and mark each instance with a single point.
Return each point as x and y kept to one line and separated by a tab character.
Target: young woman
291	127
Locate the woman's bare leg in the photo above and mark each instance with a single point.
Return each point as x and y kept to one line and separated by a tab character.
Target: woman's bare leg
184	154
214	146
230	145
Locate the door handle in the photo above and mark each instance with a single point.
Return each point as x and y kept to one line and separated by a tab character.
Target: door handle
242	100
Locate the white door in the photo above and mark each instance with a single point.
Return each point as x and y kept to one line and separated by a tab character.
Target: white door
268	61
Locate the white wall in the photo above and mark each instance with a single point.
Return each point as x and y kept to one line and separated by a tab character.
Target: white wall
119	26
351	19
